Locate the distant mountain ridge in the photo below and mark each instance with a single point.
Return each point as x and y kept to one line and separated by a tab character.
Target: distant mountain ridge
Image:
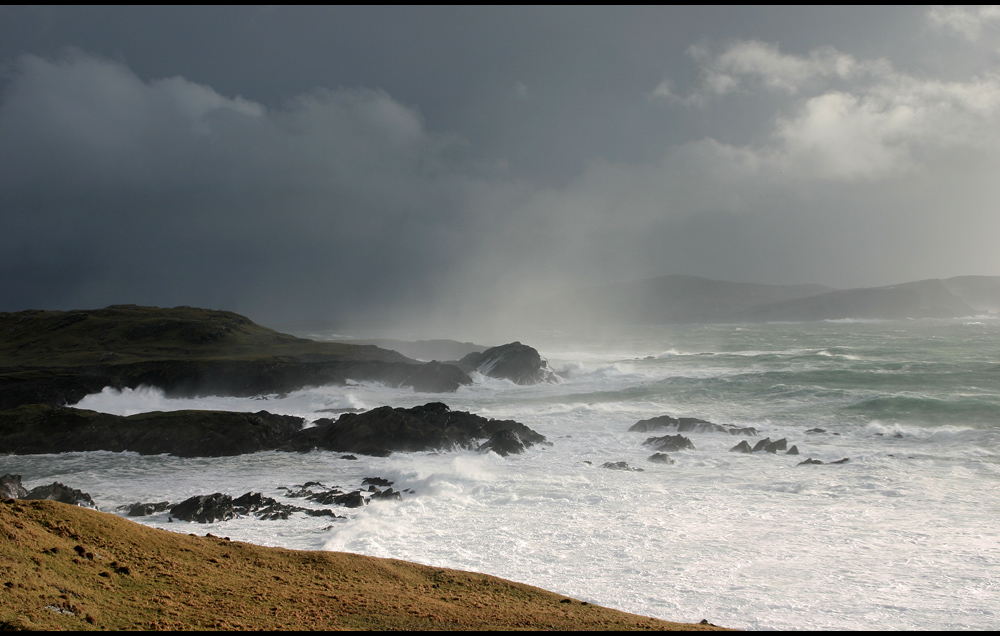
679	299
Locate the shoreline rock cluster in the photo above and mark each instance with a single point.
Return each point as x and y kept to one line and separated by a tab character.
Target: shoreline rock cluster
37	429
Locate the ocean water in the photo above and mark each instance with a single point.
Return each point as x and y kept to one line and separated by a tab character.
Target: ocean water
905	535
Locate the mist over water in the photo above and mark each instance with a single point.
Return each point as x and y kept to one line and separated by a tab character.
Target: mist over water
904	535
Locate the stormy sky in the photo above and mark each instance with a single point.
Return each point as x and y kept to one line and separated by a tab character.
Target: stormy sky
308	163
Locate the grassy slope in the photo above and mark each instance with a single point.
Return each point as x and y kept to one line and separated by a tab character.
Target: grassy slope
112	573
122	334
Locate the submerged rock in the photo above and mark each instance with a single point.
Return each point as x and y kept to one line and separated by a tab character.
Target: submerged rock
620	466
661	458
689	425
669	443
794	450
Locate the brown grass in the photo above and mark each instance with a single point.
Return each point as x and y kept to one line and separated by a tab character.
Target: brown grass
65	567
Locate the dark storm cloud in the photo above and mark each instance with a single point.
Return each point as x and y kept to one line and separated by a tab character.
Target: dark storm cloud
396	162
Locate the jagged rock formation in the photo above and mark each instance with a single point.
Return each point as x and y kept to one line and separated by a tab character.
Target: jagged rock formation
669	443
37	429
384	430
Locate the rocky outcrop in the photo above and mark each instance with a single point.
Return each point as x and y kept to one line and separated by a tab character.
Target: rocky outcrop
669	443
385	430
205	508
742	447
11	488
689	424
38	428
57	358
145	509
516	362
61	493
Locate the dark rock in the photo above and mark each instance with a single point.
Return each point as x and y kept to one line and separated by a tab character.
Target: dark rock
350	500
205	508
65	494
352	457
809	461
387	495
11	488
38	428
325	512
503	443
661	458
774	447
144	509
516	362
376	481
742	447
794	450
436	377
689	425
620	466
842	461
816	430
669	443
761	445
385	430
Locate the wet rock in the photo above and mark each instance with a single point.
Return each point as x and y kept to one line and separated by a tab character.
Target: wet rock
620	466
436	377
387	495
37	428
761	445
352	457
661	458
60	492
779	445
742	447
842	461
350	500
689	425
669	443
503	443
145	509
324	512
205	508
794	450
11	488
376	481
385	430
816	430
516	362
809	461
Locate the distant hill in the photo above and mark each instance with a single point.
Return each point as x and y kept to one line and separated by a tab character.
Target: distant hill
921	299
668	299
692	299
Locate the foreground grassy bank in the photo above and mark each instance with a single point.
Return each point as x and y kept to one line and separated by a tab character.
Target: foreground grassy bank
65	567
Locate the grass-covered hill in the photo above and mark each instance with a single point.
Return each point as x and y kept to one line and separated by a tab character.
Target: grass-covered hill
66	567
57	357
129	333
